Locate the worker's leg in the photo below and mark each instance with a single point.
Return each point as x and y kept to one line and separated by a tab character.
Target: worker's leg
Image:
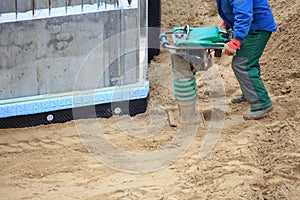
247	69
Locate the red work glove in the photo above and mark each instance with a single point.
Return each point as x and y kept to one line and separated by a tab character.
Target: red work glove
223	25
232	46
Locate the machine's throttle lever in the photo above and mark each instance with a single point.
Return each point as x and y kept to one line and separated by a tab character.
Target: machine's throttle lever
163	39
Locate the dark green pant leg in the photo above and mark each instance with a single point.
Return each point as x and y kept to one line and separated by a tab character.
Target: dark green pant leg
247	69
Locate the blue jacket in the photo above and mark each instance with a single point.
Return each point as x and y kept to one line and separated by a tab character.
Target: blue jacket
244	16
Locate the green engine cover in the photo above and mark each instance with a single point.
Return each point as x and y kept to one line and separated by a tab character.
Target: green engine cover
209	36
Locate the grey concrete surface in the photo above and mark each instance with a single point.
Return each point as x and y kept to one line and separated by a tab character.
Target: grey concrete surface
26	5
74	52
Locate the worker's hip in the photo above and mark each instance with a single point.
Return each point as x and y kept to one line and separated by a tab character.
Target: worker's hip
254	44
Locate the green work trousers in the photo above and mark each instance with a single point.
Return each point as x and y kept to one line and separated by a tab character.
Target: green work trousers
246	67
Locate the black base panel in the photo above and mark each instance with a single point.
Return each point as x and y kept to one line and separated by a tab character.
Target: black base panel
154	24
131	108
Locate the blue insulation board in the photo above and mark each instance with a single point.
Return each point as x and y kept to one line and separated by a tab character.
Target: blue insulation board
55	102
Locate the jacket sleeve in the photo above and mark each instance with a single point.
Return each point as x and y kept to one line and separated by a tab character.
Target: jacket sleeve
243	17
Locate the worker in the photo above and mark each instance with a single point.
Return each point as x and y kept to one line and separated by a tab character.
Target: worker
252	23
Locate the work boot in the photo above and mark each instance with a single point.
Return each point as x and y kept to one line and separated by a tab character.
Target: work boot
257	114
238	99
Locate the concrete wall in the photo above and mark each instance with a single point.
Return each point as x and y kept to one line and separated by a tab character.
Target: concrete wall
60	54
26	5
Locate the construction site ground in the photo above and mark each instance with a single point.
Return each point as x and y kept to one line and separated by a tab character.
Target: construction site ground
257	159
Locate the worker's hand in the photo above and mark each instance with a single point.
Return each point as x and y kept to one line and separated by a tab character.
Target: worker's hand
232	46
223	25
